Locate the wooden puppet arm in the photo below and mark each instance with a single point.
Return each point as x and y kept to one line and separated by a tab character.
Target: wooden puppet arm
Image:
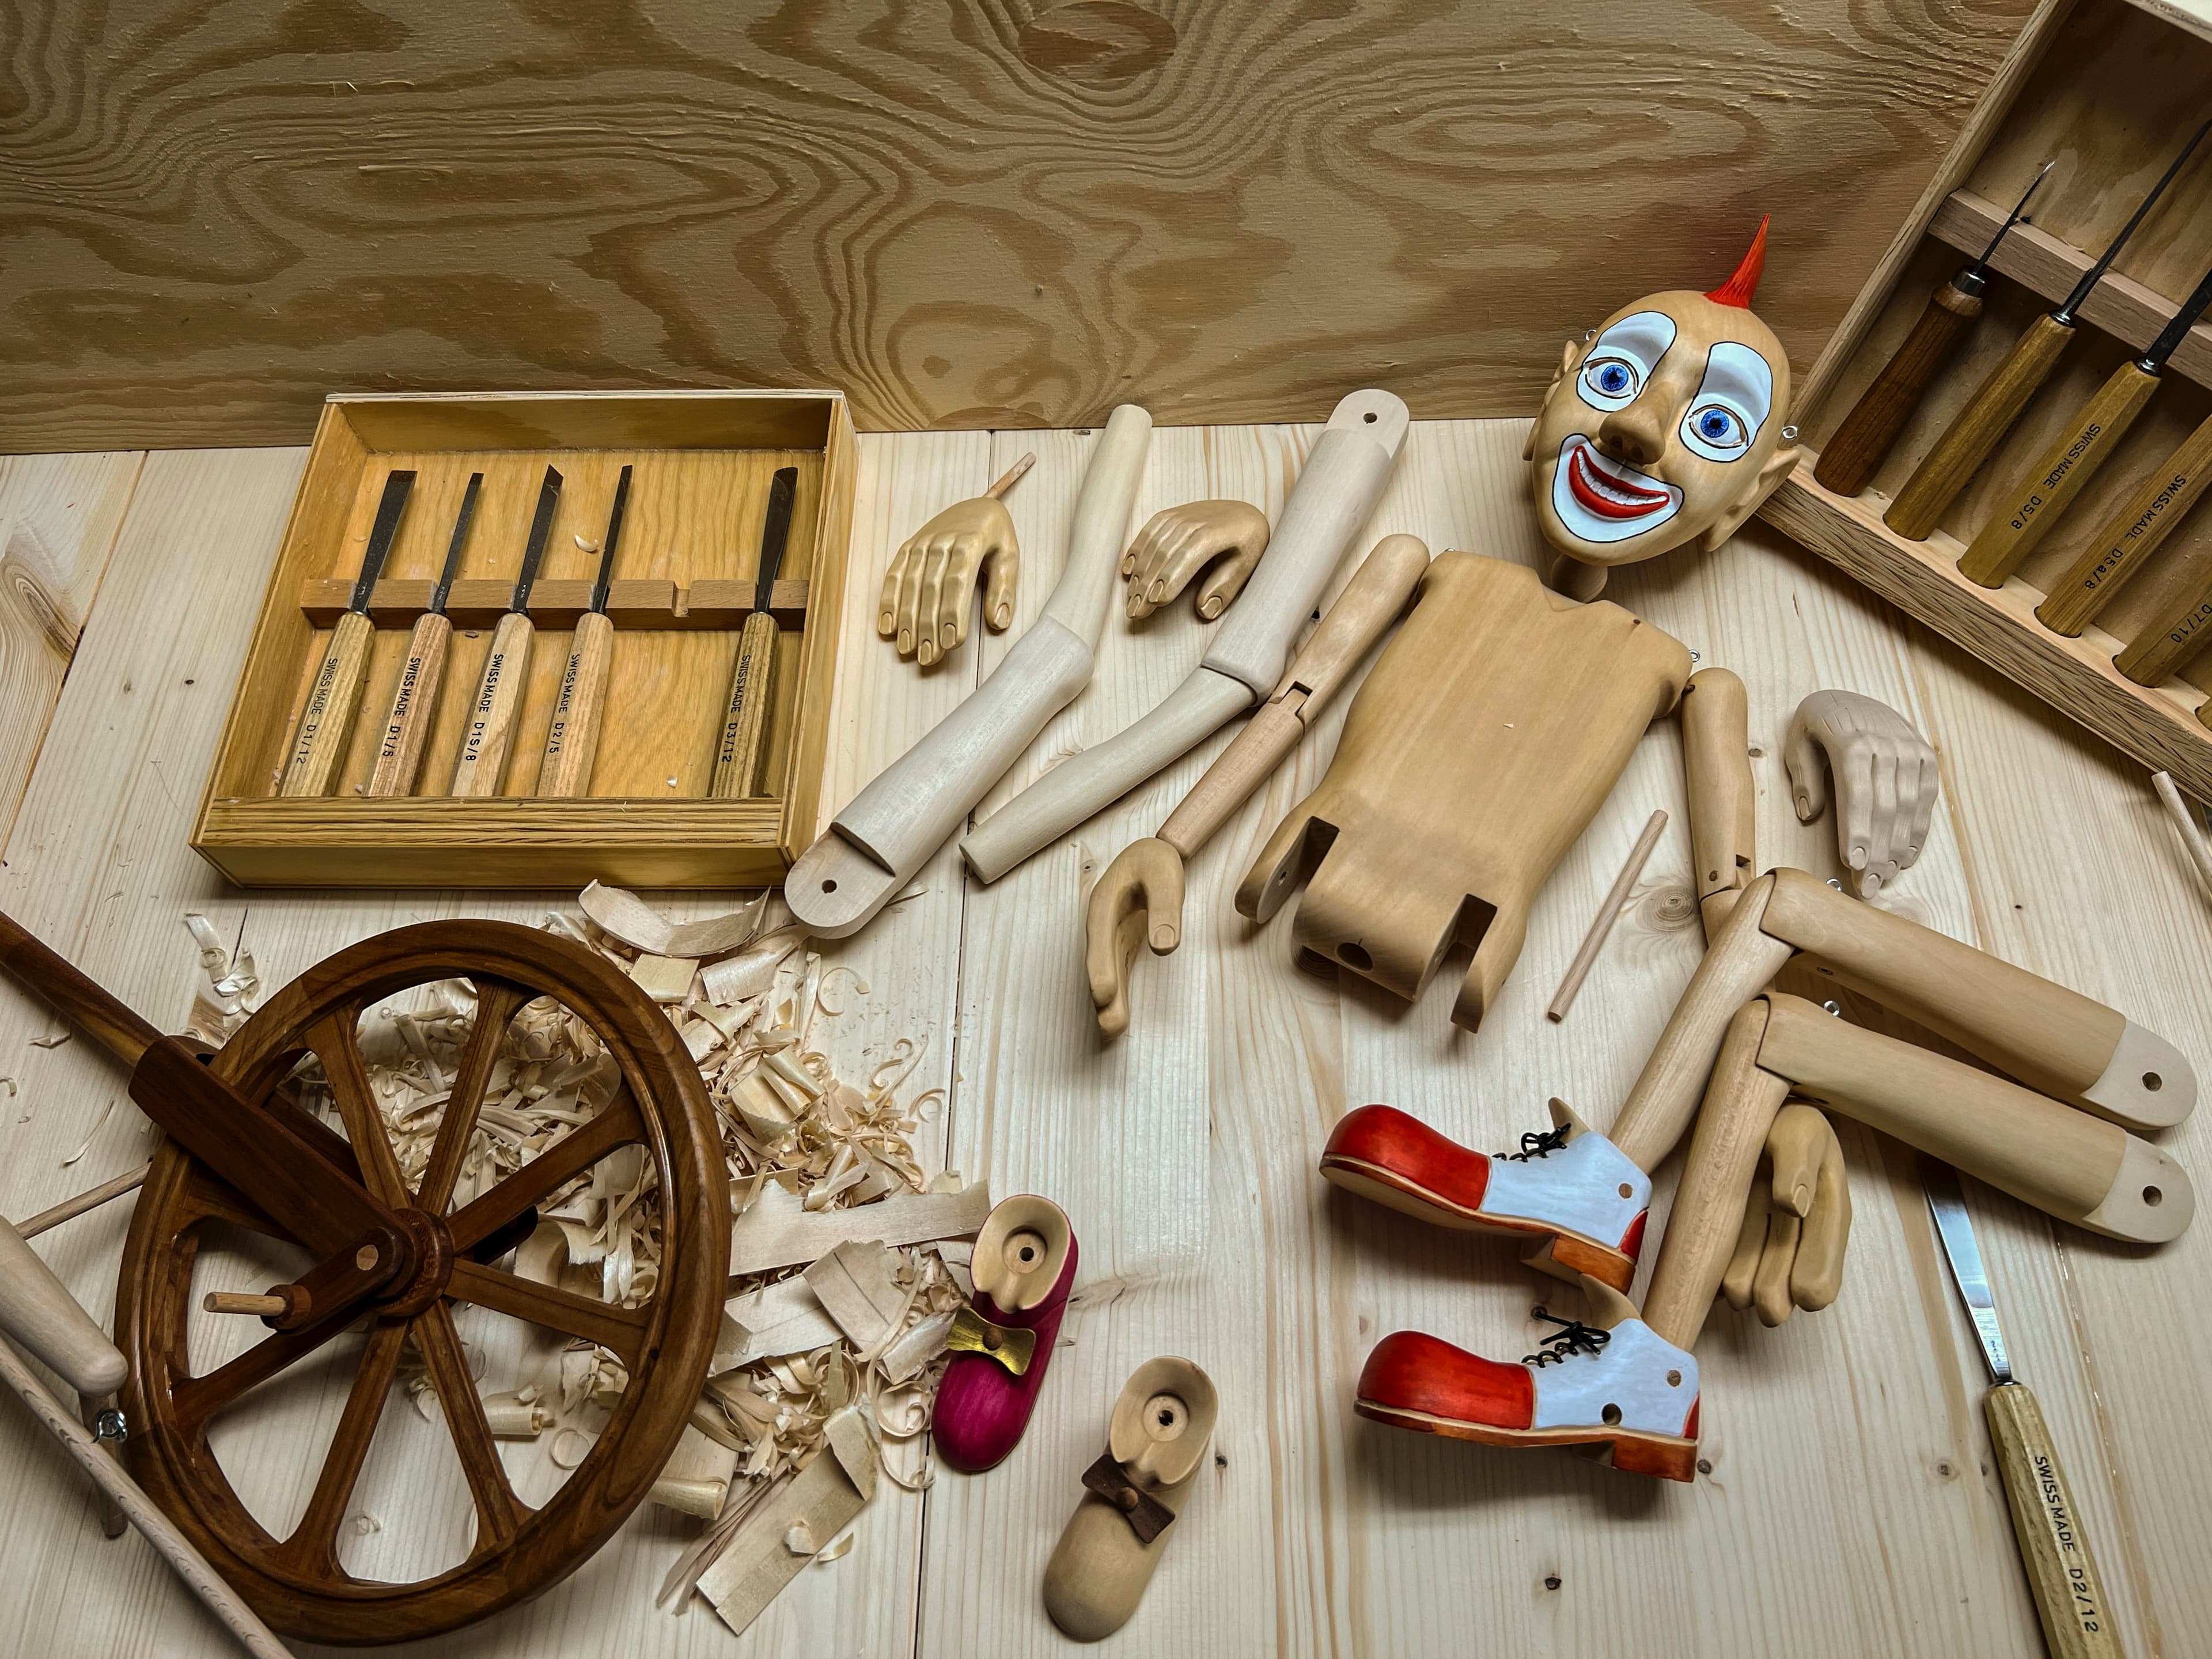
1335	495
884	835
1138	898
1723	800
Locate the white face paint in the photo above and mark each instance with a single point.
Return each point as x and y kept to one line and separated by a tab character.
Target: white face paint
1732	404
1601	500
1620	363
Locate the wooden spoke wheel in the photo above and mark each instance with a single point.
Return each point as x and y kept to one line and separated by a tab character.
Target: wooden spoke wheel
296	1583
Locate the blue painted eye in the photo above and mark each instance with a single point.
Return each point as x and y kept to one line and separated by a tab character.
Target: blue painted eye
1719	427
1610	382
1612	377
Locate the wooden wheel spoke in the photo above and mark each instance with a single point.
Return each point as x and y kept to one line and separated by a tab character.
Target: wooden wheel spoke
610	1325
500	1514
313	1545
336	1039
617	1125
496	1002
197	1399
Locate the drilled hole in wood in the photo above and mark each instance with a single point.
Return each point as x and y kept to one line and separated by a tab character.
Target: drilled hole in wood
828	886
1611	1414
1353	955
2152	1082
1368	417
2154	1197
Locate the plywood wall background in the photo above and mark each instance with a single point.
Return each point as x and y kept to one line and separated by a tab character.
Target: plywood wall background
965	213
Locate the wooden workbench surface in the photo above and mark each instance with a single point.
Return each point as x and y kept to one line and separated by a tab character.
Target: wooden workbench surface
1849	1508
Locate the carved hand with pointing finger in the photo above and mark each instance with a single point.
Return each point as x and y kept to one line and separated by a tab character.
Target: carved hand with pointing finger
1796	1221
930	589
1887	780
1178	543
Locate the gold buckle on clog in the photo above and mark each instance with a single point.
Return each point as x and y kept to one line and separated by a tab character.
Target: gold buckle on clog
973	1334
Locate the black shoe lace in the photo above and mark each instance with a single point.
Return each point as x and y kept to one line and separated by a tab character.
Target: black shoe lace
1539	1146
1571	1338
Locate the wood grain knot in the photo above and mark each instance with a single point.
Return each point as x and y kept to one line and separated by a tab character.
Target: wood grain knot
1098	43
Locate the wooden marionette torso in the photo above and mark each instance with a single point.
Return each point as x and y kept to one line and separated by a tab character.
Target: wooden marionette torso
1494	726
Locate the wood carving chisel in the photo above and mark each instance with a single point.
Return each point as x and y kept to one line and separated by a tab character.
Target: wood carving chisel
737	757
325	728
482	758
2119	550
2040	497
414	699
1997	402
1862	442
572	741
2061	1573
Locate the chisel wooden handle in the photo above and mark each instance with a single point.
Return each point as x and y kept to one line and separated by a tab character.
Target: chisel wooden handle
414	706
1862	443
572	741
2160	651
2118	549
2040	497
37	1310
319	741
744	724
482	759
1977	428
2069	1597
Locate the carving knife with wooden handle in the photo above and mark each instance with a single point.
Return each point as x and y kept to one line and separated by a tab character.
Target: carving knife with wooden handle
743	743
325	727
1980	427
572	740
2061	1573
2119	550
2040	496
482	759
414	699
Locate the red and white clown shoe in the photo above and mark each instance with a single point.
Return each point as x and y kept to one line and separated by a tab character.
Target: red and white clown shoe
1621	1389
1571	1192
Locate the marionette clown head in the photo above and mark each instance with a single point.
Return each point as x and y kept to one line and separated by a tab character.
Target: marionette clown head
1665	427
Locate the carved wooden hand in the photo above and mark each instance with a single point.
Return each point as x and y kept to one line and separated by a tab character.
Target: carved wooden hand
1179	542
930	589
1886	781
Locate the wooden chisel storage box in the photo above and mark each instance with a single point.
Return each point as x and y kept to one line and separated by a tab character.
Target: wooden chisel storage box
356	755
2036	504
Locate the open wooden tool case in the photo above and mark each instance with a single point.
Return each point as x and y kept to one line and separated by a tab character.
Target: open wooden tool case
2112	90
683	586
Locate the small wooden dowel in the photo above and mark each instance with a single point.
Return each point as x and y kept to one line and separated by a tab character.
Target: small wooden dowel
203	1580
236	1302
2193	837
69	1208
998	491
1608	914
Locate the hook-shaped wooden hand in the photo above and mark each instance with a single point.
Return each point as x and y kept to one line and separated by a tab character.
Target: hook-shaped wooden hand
1178	542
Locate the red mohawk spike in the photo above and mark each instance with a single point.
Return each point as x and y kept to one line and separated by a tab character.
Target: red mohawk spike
1739	288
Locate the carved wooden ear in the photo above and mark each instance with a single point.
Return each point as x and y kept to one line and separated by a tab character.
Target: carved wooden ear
1769	480
1568	358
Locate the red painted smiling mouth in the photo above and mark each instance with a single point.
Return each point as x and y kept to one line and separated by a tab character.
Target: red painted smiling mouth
1610	489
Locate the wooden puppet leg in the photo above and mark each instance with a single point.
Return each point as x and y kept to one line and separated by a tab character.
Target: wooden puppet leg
1739	1104
1737	966
2065	1162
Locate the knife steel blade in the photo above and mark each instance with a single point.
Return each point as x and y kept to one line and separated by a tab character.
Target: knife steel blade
1948	1204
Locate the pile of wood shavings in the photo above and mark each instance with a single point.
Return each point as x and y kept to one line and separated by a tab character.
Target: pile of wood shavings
751	1003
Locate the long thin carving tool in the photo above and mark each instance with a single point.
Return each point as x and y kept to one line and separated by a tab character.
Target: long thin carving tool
743	744
2038	498
1997	402
2128	539
1862	442
414	699
572	740
319	741
482	758
2070	1598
